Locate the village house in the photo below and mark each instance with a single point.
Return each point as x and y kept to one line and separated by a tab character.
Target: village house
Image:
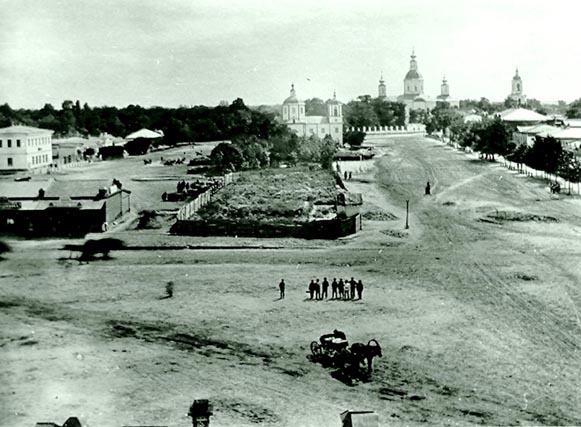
61	208
25	148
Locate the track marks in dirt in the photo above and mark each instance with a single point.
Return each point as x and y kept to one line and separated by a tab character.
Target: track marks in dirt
242	409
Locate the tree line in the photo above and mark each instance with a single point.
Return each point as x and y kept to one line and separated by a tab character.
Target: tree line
492	137
251	152
197	123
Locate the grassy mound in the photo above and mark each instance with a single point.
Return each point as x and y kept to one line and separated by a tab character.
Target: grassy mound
285	195
500	216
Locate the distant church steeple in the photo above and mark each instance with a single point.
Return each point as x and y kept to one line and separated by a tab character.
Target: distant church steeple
382	89
517	92
444	89
413	83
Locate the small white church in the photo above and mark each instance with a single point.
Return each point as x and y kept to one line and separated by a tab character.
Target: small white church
293	115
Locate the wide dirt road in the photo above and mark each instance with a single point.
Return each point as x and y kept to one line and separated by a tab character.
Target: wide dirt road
476	307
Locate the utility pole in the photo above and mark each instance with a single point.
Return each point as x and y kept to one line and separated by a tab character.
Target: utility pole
407	214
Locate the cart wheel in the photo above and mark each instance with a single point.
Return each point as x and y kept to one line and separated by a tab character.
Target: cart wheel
316	349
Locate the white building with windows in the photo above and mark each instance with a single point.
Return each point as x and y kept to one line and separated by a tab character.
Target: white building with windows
25	148
293	115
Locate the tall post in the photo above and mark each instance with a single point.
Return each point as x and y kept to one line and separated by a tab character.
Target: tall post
407	213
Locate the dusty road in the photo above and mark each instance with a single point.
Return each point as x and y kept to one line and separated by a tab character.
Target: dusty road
476	307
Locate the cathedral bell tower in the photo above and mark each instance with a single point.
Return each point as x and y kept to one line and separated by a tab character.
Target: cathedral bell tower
444	89
382	89
517	92
334	110
413	83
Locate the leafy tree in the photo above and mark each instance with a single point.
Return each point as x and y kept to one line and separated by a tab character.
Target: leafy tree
545	154
388	113
328	150
226	157
574	110
511	103
419	116
458	129
354	138
519	154
360	112
309	149
493	138
443	116
315	107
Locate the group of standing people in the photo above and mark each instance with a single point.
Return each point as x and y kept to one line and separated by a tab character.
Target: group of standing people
341	289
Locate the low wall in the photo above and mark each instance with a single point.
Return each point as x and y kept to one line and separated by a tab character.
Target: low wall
323	229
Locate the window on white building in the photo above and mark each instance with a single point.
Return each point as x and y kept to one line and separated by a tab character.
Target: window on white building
9	159
9	143
18	143
336	130
0	143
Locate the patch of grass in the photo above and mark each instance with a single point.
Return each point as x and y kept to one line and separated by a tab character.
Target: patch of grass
377	215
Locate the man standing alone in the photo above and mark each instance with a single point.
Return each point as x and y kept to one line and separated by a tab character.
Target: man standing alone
281	287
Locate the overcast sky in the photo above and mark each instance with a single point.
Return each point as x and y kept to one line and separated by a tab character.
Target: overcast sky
190	52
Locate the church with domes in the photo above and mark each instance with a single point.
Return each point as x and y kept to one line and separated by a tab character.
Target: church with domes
294	116
413	90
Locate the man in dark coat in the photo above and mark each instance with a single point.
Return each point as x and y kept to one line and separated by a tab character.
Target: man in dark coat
353	284
325	288
341	288
334	288
312	288
359	289
281	287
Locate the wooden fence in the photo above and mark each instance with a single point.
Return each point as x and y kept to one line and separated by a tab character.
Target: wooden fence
566	186
189	209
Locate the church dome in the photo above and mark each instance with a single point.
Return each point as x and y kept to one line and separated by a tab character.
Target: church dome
413	74
292	99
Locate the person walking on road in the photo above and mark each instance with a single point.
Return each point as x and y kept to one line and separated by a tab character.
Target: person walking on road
169	289
359	289
325	293
353	284
334	288
428	189
281	287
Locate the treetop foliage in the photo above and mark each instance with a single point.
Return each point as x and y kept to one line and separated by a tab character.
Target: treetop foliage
198	123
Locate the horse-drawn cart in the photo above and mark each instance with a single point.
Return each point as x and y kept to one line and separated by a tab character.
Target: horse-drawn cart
336	352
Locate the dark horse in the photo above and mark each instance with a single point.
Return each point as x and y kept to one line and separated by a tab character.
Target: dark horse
366	352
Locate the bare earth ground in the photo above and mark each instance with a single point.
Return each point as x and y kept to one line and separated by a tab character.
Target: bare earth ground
478	316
